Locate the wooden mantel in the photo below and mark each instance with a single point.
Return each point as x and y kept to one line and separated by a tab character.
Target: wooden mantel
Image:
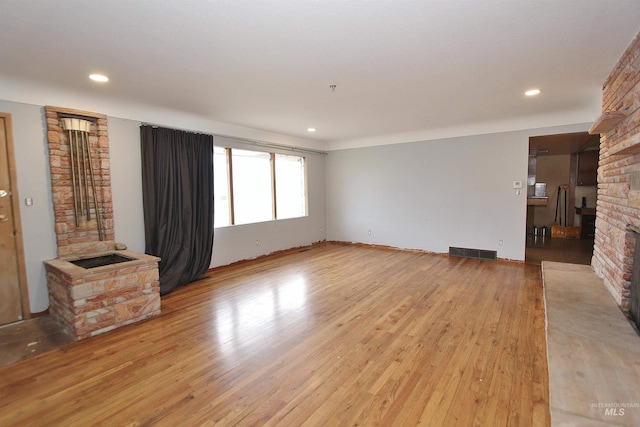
607	121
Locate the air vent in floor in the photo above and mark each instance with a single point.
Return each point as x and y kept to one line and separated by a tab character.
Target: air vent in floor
473	253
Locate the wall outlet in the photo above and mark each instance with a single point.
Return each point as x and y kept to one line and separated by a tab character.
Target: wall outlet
257	242
369	232
501	242
517	184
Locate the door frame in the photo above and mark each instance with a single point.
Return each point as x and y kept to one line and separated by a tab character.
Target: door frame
17	222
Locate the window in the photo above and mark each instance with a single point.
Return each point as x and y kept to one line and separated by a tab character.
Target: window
252	193
255	186
291	197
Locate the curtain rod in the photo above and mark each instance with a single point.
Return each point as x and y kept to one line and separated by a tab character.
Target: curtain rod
255	142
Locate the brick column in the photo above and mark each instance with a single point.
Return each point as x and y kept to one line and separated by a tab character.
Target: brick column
619	178
83	238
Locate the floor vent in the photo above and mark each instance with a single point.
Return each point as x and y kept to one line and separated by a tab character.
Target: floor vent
473	253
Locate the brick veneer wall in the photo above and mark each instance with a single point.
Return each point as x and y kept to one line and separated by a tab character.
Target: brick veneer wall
618	192
84	238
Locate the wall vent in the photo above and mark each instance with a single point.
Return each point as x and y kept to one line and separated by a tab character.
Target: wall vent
473	253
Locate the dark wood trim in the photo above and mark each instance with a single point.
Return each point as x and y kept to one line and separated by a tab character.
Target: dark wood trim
275	254
274	204
40	313
232	209
72	112
336	242
17	219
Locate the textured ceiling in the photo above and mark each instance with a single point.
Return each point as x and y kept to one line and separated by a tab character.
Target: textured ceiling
403	70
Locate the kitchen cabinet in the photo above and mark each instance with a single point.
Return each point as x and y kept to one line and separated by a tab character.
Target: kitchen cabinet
587	222
588	168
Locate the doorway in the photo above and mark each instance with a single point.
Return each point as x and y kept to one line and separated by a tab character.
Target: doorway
561	198
13	291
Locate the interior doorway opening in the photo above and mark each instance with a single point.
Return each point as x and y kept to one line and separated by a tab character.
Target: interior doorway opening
562	191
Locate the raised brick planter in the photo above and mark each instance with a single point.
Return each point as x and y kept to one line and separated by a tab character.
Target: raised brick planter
92	301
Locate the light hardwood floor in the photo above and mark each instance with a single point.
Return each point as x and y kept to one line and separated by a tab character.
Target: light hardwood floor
332	335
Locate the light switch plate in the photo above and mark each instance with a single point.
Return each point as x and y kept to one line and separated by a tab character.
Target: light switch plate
517	184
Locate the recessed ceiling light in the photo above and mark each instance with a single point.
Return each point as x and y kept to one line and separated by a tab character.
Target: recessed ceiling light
532	92
99	78
311	129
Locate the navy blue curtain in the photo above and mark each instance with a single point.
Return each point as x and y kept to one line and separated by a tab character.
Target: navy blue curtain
177	182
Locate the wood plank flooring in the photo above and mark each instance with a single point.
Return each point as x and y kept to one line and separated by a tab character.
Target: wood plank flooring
571	251
334	335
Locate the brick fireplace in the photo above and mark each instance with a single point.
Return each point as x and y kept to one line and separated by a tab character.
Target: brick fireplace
94	286
618	206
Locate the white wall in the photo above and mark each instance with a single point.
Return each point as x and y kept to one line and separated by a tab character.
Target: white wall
430	195
126	182
230	243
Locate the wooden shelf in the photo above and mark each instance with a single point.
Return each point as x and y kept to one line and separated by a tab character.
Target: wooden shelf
628	146
537	201
607	121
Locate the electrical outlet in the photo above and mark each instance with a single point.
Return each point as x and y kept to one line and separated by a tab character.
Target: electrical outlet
257	242
517	184
369	232
501	242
